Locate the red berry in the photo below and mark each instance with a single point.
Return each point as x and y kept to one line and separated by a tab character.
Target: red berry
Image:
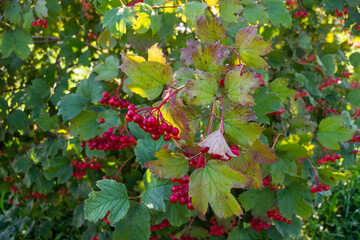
175	131
190	206
128	118
101	120
105	94
173	198
204	149
167	137
132	107
137	118
182	200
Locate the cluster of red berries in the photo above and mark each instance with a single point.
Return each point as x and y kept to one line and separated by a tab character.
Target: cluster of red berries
346	74
328	111
152	125
87	8
79	167
63	191
301	95
110	141
35	195
114	101
105	219
181	192
164	223
267	182
328	158
303	14
320	188
356	113
92	36
281	111
309	108
200	162
276	215
329	83
307	60
11	201
290	3
40	23
15	190
354	84
355	138
257	224
216	229
345	11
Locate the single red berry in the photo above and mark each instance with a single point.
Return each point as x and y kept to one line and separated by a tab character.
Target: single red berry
137	118
182	200
204	149
152	121
175	131
105	94
337	156
173	198
128	118
132	107
190	206
101	120
155	136
167	137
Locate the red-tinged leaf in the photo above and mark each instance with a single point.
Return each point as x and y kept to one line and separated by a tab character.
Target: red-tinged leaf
240	86
174	114
205	187
252	47
193	46
261	153
169	165
209	31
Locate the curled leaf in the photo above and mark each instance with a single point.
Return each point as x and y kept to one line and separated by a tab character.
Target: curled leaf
217	145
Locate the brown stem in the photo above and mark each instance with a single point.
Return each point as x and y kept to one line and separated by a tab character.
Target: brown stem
122	166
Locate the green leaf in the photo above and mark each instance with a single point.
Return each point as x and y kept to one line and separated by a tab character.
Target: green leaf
79	216
282	167
169	165
157	191
329	177
85	125
331	5
294	147
105	40
71	106
21	163
41	9
107	70
240	86
329	64
353	97
45	122
202	90
332	131
252	47
91	89
278	13
155	23
177	214
243	234
116	19
228	9
254	13
209	32
111	117
28	19
192	11
17	120
59	167
257	200
279	86
13	12
18	41
286	230
355	59
7	43
146	148
112	197
235	123
205	188
136	224
148	77
40	88
266	102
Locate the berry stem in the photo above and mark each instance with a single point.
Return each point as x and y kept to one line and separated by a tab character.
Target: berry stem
168	97
222	115
211	118
122	166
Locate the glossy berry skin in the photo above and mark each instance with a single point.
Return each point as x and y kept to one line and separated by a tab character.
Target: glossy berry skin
173	198
167	137
101	120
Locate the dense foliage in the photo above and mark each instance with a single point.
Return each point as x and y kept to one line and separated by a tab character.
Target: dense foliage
162	119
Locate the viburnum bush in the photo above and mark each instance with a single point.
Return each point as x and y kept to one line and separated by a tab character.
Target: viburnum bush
161	119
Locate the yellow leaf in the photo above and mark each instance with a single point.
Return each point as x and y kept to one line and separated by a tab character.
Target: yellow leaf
156	55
